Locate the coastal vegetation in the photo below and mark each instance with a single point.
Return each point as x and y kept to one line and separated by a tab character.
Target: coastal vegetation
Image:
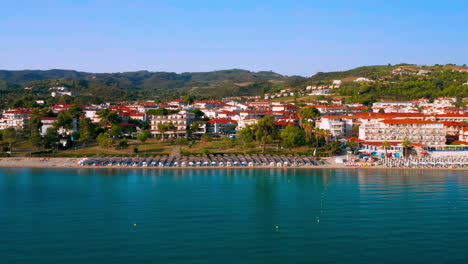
24	88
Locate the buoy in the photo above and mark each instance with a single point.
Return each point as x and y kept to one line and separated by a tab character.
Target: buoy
277	227
134	224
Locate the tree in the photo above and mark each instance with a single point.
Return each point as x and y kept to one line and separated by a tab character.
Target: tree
194	127
333	147
116	130
198	113
246	134
65	99
353	144
51	138
407	145
309	130
265	130
318	132
104	141
326	134
189	99
160	111
108	117
35	122
35	139
293	136
75	111
143	136
87	130
10	136
163	128
386	145
64	121
308	113
355	130
123	143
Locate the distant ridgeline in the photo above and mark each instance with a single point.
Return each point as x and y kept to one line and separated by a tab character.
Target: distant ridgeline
390	82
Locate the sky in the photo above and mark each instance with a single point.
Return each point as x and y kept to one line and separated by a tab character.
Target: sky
291	37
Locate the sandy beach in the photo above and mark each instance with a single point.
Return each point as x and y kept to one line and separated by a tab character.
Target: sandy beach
21	162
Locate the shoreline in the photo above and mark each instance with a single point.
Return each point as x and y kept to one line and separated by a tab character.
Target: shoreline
72	163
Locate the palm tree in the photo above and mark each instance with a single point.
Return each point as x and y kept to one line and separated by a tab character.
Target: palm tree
407	145
308	113
386	145
352	144
318	135
309	130
326	134
163	128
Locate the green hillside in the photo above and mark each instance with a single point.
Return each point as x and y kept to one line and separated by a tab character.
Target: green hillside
443	80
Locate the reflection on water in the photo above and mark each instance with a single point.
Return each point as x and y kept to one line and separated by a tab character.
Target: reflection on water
232	216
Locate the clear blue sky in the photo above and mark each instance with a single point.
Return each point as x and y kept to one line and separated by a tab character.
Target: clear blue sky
288	37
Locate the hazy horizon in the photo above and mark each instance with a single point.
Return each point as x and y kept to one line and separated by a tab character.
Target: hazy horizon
289	38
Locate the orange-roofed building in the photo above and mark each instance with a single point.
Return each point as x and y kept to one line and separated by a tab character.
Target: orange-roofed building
396	130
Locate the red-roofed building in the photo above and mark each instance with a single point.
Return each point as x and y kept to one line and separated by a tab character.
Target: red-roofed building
396	130
453	128
264	105
58	108
210	104
17	118
281	125
220	125
463	135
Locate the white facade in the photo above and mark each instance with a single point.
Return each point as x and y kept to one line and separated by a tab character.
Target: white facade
181	122
396	130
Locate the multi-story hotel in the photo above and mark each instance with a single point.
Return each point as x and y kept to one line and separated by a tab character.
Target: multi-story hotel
180	120
396	130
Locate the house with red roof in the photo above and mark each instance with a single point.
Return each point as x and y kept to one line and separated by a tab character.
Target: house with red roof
220	125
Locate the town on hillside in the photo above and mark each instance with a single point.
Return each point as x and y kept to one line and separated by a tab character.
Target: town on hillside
242	124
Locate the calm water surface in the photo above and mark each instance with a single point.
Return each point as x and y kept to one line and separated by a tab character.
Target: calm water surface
233	216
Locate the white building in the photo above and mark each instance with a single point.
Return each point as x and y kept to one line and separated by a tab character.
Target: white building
48	122
362	79
396	130
17	118
180	120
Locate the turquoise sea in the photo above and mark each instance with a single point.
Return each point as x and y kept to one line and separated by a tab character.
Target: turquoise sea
233	216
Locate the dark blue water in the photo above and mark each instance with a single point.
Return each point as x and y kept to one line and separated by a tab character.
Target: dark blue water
233	216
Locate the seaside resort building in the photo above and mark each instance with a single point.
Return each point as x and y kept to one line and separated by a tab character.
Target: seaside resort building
180	120
396	130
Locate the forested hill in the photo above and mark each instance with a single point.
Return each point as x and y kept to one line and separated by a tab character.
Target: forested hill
142	84
387	82
376	72
140	77
25	76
